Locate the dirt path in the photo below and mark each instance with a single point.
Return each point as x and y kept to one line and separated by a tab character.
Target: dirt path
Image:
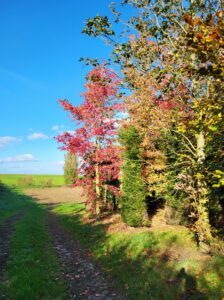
84	278
6	231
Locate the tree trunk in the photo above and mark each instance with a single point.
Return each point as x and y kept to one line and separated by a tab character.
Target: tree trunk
97	181
200	148
202	225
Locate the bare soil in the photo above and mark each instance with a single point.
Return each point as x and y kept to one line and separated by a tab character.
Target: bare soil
55	195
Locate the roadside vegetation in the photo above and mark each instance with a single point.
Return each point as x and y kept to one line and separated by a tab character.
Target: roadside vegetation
151	134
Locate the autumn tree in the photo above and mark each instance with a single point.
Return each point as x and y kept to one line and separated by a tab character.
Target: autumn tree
172	61
94	140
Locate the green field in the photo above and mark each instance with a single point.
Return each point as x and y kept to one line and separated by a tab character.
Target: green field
32	180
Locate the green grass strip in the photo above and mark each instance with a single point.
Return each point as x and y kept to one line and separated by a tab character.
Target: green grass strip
141	262
32	269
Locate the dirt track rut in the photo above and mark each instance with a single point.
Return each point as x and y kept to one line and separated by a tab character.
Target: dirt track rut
83	277
6	231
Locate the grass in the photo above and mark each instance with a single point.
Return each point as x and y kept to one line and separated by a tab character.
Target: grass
10	203
142	262
32	180
149	264
32	269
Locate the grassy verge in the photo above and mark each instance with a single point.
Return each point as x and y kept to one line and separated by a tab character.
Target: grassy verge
10	203
146	264
20	180
32	269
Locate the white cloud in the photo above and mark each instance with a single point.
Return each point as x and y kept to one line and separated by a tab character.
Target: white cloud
57	127
5	140
18	158
37	136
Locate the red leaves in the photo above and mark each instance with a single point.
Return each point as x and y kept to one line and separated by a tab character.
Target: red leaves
96	118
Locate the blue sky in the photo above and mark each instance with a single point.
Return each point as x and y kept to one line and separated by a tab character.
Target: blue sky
41	43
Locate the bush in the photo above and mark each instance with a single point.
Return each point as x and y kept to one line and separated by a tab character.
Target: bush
133	202
47	182
70	168
26	181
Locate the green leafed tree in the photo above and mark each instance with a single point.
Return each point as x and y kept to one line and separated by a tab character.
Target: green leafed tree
70	168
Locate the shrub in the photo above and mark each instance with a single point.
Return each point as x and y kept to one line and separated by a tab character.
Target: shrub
133	201
70	168
26	181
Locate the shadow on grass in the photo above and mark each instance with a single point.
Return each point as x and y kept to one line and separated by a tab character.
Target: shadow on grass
32	267
11	202
141	263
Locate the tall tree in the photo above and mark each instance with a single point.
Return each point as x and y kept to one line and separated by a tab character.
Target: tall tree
172	57
94	141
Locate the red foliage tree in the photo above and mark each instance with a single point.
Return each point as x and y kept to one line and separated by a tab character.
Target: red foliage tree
94	140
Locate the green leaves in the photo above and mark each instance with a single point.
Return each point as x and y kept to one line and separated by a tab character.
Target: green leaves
99	25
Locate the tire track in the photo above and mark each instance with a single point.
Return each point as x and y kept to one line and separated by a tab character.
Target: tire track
6	232
83	277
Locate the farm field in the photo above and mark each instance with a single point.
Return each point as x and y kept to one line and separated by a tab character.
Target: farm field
32	180
159	256
56	195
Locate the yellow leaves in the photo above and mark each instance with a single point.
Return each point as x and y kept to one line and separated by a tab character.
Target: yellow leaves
192	56
213	128
181	129
199	175
219	176
218	173
212	36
